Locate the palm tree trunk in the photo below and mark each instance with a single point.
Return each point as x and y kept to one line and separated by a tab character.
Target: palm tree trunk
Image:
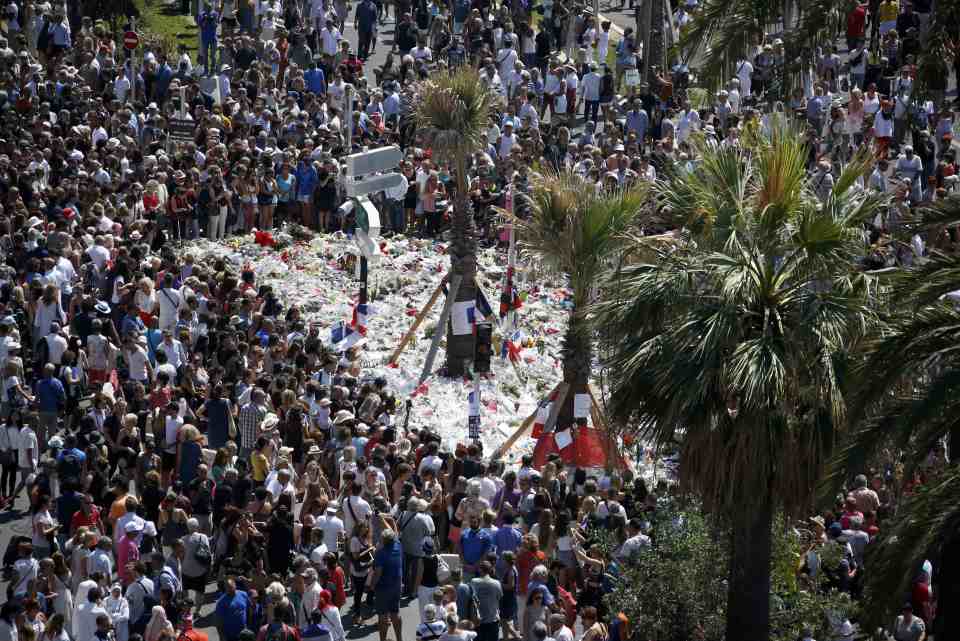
463	261
577	358
748	594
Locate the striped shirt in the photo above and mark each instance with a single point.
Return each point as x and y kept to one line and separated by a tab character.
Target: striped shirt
249	420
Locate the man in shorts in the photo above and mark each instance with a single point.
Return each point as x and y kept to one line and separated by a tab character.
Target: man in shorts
388	583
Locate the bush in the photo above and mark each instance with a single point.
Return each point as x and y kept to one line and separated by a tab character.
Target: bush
677	590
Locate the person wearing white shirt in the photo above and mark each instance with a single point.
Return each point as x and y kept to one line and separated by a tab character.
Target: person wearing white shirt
310	600
99	254
332	526
85	616
878	179
422	53
118	609
354	509
527	110
121	87
910	167
734	96
176	355
590	93
688	123
506	58
56	344
330	38
169	301
636	541
745	75
492	79
507	140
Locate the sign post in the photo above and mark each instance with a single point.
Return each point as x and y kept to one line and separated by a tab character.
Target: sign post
130	39
130	42
362	180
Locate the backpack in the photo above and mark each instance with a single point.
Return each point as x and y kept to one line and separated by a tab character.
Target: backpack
69	466
149	601
202	554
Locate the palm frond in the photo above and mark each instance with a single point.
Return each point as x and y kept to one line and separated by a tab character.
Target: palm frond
734	339
926	521
452	111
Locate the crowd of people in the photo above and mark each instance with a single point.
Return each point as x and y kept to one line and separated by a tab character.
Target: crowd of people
182	434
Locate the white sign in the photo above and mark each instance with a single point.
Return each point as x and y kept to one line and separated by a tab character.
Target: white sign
371	184
370	162
563	439
581	405
462	316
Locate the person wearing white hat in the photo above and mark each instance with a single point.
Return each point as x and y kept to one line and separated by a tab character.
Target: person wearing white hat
333	528
118	609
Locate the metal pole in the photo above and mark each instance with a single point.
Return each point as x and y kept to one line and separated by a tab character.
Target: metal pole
363	279
348	114
476	391
132	62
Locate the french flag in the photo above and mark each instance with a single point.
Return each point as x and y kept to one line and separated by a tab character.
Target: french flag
511	346
340	331
543	413
359	321
483	305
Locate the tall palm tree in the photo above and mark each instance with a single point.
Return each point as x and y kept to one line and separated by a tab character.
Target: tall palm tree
452	113
733	341
574	230
906	399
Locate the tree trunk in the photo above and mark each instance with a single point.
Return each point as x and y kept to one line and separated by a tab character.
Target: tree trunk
577	358
657	53
748	594
463	261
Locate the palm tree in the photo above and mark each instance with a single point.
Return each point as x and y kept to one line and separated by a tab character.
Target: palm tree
452	113
733	341
574	230
906	399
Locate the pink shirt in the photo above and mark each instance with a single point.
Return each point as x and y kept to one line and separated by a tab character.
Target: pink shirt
127	552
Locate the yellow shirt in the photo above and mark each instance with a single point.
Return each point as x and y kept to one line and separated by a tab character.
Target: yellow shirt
889	11
260	467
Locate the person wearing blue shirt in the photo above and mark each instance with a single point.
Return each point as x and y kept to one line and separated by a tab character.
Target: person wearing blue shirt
307	178
314	79
391	102
208	21
366	21
474	544
161	83
507	539
50	397
231	611
388	583
637	121
70	449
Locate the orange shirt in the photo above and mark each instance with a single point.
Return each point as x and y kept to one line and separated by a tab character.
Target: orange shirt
118	508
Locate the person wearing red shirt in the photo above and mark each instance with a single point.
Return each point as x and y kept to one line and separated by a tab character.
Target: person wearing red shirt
336	580
187	631
856	25
88	516
849	512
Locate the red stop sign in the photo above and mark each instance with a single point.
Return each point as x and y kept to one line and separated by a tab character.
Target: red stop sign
131	40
